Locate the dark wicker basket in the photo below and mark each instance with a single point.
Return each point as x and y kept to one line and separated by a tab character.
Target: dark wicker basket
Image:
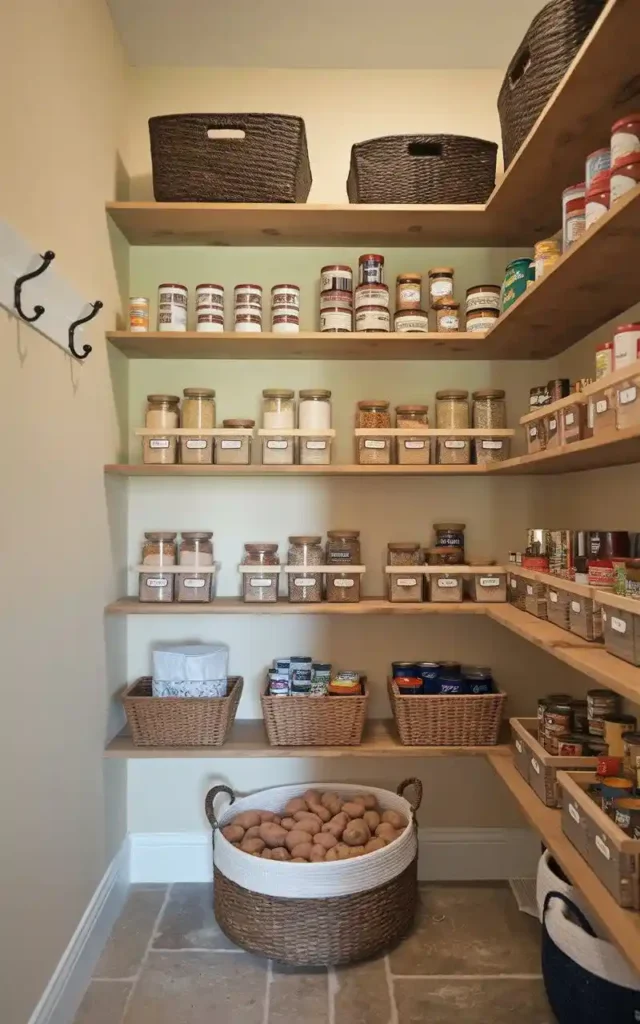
549	45
269	165
180	721
422	169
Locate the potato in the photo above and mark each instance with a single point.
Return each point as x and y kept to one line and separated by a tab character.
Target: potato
302	850
332	854
337	825
369	801
398	821
317	854
308	823
375	844
299	860
288	823
252	846
253	832
356	833
269	816
311	797
332	802
273	835
280	854
356	851
247	819
372	818
343	851
320	812
295	837
266	853
387	832
354	809
325	839
234	833
297	804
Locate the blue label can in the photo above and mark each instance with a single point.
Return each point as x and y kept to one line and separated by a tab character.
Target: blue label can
429	672
478	679
451	683
403	668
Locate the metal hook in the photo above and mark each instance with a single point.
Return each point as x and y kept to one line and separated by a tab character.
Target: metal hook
86	349
17	288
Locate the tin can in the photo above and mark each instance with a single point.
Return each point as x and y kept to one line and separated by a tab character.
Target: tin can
477	679
557	720
516	276
614	788
608	766
579	717
172	307
558	388
409	686
278	684
247	295
574	194
370	295
320	679
403	668
450	683
210	318
601	703
596	163
429	672
138	315
282	665
543	704
287	295
626	814
571	746
631	753
371	269
615	726
335	299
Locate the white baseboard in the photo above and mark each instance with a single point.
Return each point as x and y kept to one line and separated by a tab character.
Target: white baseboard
63	994
445	855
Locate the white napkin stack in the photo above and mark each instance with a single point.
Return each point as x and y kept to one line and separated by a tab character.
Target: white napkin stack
190	670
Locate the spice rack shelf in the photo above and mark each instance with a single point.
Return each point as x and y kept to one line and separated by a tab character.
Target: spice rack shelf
622	926
617	448
249	739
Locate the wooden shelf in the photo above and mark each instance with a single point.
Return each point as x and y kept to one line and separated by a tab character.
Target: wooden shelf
236	606
333	470
249	739
621	926
617	448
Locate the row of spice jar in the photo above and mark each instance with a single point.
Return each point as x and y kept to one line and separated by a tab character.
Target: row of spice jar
173	307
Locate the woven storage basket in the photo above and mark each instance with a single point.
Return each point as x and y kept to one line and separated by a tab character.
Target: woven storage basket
315	914
549	45
315	721
269	165
179	721
447	721
422	169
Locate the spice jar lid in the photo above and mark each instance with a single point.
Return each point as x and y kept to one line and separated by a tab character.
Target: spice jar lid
277	393
449	526
441	271
412	408
210	285
315	393
305	540
239	287
624	161
197	534
286	285
446	304
488	393
343	534
483	287
336	266
245	424
171	284
371	256
198	393
373	403
163	398
453	393
258	545
403	545
409	277
160	535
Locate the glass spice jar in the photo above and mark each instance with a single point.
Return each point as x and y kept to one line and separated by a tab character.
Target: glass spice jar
198	412
163	413
447	315
489	409
452	410
158	551
408	416
440	285
196	550
234	451
373	414
409	291
260	586
304	586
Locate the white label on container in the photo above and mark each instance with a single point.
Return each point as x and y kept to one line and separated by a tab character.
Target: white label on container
408	294
594	211
304	581
454	444
529	590
553	597
535	766
156	581
449	322
406	581
481	323
369	443
519	747
336	280
332	321
447	583
619	625
533	432
195	443
343	583
279	445
627	395
259	581
602	847
514	584
623	144
489	581
318	446
553	424
231	444
483	300
575	607
411	324
573	811
621	183
440	289
193	584
159	442
372	320
493	445
602	405
569	418
414	444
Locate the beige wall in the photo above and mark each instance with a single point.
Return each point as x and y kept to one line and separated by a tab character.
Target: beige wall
62	812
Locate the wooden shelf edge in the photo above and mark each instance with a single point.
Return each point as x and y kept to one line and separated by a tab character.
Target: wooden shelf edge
335	469
236	606
617	448
621	926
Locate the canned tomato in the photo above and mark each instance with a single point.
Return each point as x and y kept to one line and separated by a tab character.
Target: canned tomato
371	269
138	315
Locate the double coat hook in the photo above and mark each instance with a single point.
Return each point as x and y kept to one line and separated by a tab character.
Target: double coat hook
86	349
46	258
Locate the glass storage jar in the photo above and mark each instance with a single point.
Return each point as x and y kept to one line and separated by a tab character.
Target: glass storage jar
452	410
453	451
490	449
314	410
198	412
259	585
278	409
305	586
405	586
158	551
408	416
196	550
343	547
278	450
445	587
412	450
234	451
163	413
440	285
373	414
343	587
489	409
314	451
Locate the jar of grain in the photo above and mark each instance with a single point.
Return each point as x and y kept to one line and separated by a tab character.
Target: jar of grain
408	416
233	450
440	285
373	413
404	586
489	409
278	409
412	450
314	409
409	291
445	587
163	413
447	315
452	410
304	586
278	450
158	552
196	551
198	412
260	571
453	451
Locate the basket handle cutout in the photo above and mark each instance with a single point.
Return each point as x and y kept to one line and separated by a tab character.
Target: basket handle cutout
424	149
519	67
417	785
209	801
216	134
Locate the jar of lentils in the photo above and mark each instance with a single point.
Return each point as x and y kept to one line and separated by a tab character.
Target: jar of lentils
198	412
305	586
158	551
405	586
489	409
373	414
196	550
163	413
260	573
452	410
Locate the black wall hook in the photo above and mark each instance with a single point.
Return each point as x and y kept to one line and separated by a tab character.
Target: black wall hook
17	288
86	349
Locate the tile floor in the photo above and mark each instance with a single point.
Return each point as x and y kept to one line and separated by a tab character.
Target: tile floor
472	956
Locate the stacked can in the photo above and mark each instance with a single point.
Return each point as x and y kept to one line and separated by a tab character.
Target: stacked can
210	307
372	295
336	299
172	307
247	307
285	309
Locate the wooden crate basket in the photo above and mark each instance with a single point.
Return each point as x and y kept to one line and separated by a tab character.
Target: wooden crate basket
457	720
304	721
536	765
613	855
180	721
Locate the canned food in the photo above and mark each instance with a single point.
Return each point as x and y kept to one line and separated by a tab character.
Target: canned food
613	788
333	298
247	295
336	320
478	679
626	814
631	748
557	720
429	672
138	315
571	746
337	277
409	686
209	318
601	703
615	726
608	766
403	668
579	716
285	295
172	307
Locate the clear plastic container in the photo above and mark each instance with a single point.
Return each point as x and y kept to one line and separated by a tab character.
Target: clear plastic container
491	449
343	587
196	549
163	413
489	409
278	409
260	587
452	410
305	586
278	450
453	451
198	411
158	551
445	587
315	451
314	409
343	549
373	451
234	451
412	450
405	586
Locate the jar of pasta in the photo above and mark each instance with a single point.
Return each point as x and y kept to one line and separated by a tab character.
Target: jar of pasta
163	413
198	411
260	571
196	552
489	409
452	410
158	552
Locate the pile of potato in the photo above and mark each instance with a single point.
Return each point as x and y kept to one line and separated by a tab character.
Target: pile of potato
316	827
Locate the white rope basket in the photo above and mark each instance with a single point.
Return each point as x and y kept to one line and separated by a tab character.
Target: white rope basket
314	881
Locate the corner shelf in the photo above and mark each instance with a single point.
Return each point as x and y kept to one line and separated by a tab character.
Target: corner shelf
236	606
139	469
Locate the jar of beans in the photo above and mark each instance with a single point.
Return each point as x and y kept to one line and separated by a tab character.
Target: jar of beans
163	413
452	410
305	586
260	571
404	586
158	552
489	409
196	551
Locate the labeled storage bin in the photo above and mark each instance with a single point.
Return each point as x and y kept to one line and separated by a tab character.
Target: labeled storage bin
585	617
413	451
196	552
601	413
198	413
611	853
621	629
453	451
537	765
342	584
159	553
553	430
458	720
405	584
314	450
536	436
373	451
267	163
558	602
627	394
180	721
516	591
487	586
574	422
490	449
328	913
303	721
277	449
233	443
445	586
422	169
534	598
163	413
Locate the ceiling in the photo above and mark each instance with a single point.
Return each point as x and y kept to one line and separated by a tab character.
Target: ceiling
322	33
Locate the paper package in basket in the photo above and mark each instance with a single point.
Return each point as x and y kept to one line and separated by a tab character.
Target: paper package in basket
190	670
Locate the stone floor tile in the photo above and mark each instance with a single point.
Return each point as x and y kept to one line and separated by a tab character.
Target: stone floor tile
474	929
103	1002
123	953
188	921
299	993
362	994
474	1002
196	987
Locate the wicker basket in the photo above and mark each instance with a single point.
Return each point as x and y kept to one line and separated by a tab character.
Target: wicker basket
447	721
269	165
351	909
422	169
549	45
315	721
179	721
